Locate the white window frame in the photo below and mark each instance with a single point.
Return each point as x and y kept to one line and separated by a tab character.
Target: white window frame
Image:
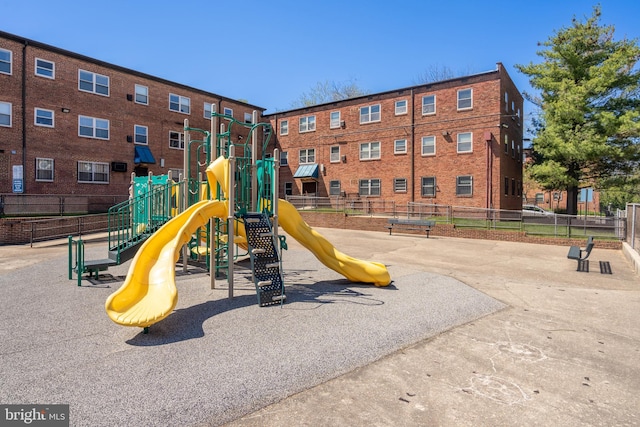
307	156
94	82
335	188
208	106
141	134
459	186
37	115
427	107
182	103
10	62
44	164
370	114
94	172
284	127
395	146
368	185
425	186
228	111
367	150
401	109
307	124
284	158
248	118
176	143
41	71
334	154
95	122
399	185
334	119
468	99
141	91
428	141
8	108
460	141
288	188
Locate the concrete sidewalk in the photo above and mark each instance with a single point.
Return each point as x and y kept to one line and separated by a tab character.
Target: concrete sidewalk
565	351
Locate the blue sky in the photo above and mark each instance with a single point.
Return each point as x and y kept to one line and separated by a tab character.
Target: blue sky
270	52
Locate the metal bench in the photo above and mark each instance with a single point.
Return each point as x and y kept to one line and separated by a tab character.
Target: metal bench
411	224
581	255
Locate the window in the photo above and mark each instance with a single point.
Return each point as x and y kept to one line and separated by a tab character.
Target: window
307	155
465	144
334	188
284	158
464	185
43	117
180	104
370	114
307	124
248	118
513	186
140	134
45	68
5	61
334	154
142	95
5	114
228	112
334	119
513	106
465	99
400	146
506	144
90	127
175	174
369	150
207	110
288	188
93	82
401	107
506	186
513	148
428	145
92	172
369	187
400	185
44	169
428	186
540	198
284	127
506	102
428	105
176	140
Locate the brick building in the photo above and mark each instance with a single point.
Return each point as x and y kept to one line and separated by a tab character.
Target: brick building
455	142
70	124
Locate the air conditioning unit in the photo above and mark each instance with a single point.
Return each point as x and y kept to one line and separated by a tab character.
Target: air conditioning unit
118	166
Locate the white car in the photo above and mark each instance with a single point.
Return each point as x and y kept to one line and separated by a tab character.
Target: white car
533	210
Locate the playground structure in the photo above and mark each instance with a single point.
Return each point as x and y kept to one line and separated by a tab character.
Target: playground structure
235	208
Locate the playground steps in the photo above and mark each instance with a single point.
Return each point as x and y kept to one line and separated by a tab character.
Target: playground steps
265	259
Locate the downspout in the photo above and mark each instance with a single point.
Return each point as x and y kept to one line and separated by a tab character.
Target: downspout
24	116
413	161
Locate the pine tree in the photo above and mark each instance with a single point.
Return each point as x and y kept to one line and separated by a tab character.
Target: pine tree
589	125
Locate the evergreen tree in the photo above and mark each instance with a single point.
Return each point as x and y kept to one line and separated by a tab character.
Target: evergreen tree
589	125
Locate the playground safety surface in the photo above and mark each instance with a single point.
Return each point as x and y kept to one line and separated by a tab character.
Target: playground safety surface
470	332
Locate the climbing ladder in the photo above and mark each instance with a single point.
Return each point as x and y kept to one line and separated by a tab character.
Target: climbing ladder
265	259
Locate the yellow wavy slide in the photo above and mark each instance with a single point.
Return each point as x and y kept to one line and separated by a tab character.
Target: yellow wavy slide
149	293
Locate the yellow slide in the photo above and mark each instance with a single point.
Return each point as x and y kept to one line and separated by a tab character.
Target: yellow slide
149	293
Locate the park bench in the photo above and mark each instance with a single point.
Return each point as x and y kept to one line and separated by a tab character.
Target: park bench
581	255
411	224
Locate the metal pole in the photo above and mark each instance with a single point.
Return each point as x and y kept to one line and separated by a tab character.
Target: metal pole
275	185
230	219
213	154
185	195
254	164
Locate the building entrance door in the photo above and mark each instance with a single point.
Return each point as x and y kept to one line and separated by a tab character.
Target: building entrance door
309	188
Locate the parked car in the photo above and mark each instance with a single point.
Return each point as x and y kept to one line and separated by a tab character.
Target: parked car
533	210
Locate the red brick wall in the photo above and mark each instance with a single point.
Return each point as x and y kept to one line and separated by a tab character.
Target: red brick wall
487	163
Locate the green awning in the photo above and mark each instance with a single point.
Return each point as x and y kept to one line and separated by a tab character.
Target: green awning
143	155
307	171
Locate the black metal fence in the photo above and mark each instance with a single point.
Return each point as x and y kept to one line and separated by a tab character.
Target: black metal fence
59	204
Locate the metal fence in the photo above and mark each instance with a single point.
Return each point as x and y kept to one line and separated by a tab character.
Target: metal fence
53	228
59	204
611	227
